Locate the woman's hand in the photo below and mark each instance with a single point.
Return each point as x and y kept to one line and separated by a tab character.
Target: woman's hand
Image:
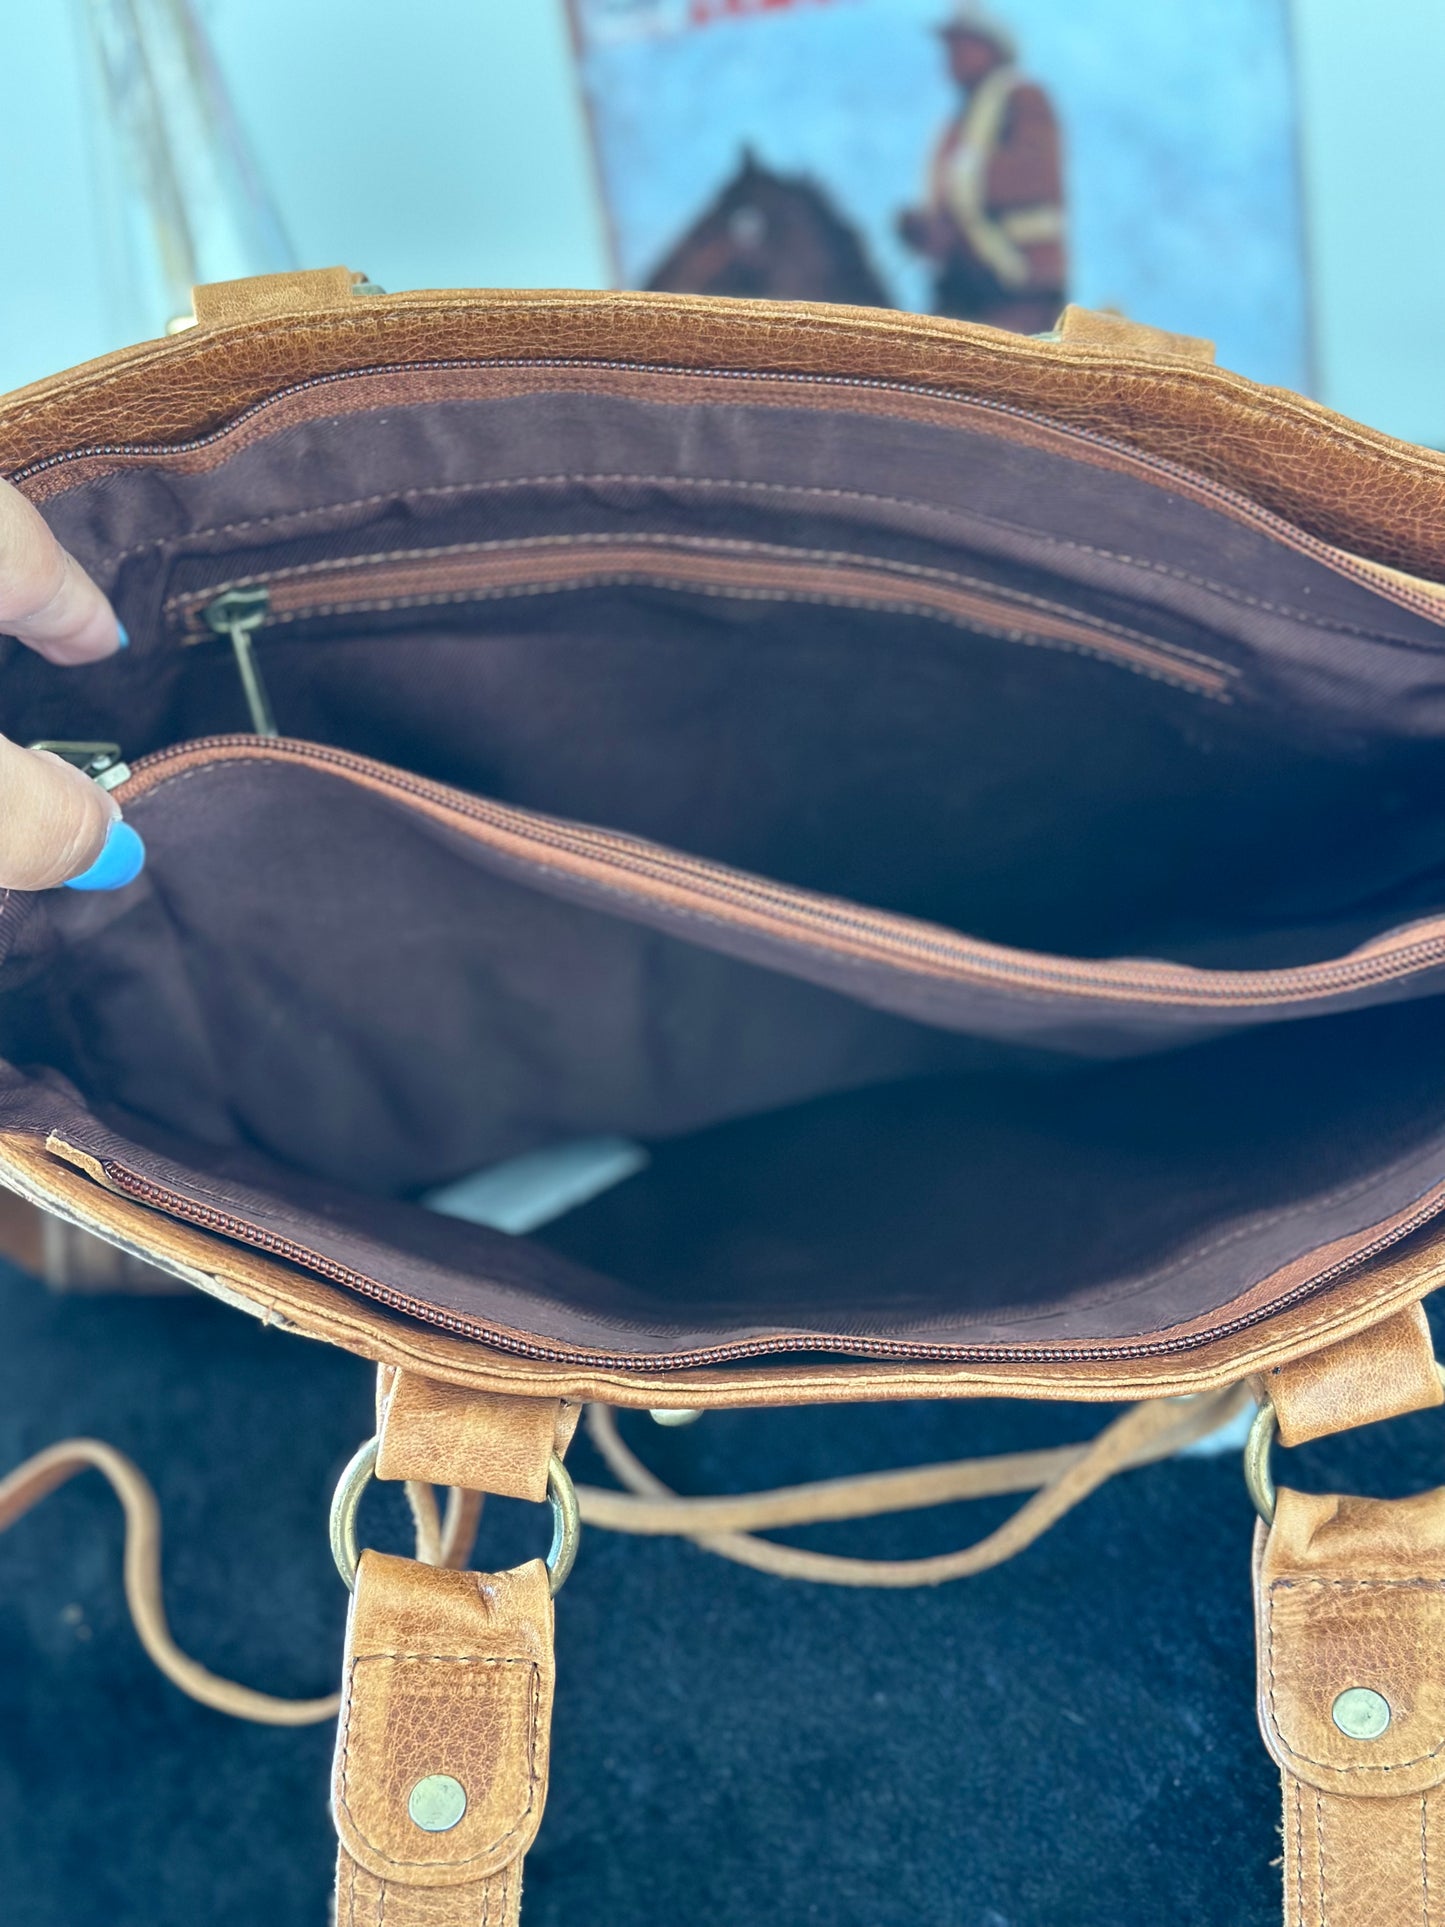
56	825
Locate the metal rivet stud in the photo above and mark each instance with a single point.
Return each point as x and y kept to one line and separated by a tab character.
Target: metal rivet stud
437	1803
1361	1713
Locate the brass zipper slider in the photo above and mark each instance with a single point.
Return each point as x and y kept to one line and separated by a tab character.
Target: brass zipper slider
237	614
102	762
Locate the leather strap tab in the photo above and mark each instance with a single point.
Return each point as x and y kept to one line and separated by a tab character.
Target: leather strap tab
448	1678
1117	335
218	303
1377	1374
1350	1594
483	1441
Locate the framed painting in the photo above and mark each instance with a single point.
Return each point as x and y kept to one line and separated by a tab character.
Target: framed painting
986	161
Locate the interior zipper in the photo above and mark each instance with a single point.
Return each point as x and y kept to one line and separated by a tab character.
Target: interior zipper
893	935
652	872
224	1224
482	571
238	614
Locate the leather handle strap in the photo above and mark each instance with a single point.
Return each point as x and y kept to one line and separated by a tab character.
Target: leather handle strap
1376	1374
259	297
1116	334
442	1750
455	1435
446	1698
1350	1606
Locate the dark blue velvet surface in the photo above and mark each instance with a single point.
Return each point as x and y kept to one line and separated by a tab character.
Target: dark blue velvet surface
1069	1739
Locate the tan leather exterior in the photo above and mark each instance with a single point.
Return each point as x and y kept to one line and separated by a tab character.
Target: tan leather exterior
362	1900
1139	386
1351	1593
1377	1374
445	1673
71	1259
281	1295
484	1441
1371	494
22	1234
1116	334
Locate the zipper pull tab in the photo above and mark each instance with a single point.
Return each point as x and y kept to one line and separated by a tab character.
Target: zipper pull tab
101	762
237	614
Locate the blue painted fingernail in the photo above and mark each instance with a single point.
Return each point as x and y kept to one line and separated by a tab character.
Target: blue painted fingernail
123	633
121	860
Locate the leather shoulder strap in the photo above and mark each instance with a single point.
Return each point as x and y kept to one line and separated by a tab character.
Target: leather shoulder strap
1350	1601
441	1754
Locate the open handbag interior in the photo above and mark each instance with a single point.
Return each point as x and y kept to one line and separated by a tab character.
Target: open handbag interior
997	879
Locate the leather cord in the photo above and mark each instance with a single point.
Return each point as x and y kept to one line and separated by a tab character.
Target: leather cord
1059	1478
41	1475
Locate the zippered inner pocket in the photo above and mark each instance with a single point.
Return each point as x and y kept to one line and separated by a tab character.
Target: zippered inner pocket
943	977
345	984
553	565
851	811
908	737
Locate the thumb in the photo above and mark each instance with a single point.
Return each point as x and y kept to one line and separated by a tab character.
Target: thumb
54	821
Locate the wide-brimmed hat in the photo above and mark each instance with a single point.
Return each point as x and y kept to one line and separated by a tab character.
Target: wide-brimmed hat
970	18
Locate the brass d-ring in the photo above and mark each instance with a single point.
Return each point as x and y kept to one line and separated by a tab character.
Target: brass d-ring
346	1502
1258	1474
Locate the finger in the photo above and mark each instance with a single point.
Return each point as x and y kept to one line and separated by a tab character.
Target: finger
46	598
54	821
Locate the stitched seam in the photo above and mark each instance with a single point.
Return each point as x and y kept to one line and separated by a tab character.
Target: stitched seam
893	604
185	601
1156	373
299	517
1339	1585
1135	1287
1299	1847
1424	1864
1024	980
444	1659
1358	1585
1320	1842
892	1350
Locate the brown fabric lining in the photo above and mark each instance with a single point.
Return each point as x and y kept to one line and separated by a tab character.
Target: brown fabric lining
308	977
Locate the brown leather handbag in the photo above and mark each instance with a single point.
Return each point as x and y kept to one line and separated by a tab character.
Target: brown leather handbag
969	807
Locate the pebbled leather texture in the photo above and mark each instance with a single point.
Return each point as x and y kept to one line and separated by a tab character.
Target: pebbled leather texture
482	1441
1377	1374
1345	483
362	1900
1351	1593
445	1673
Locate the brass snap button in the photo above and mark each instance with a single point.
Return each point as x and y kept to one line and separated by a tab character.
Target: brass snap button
1361	1713
437	1803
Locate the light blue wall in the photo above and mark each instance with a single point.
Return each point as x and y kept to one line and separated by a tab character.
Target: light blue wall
441	143
438	143
1372	82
